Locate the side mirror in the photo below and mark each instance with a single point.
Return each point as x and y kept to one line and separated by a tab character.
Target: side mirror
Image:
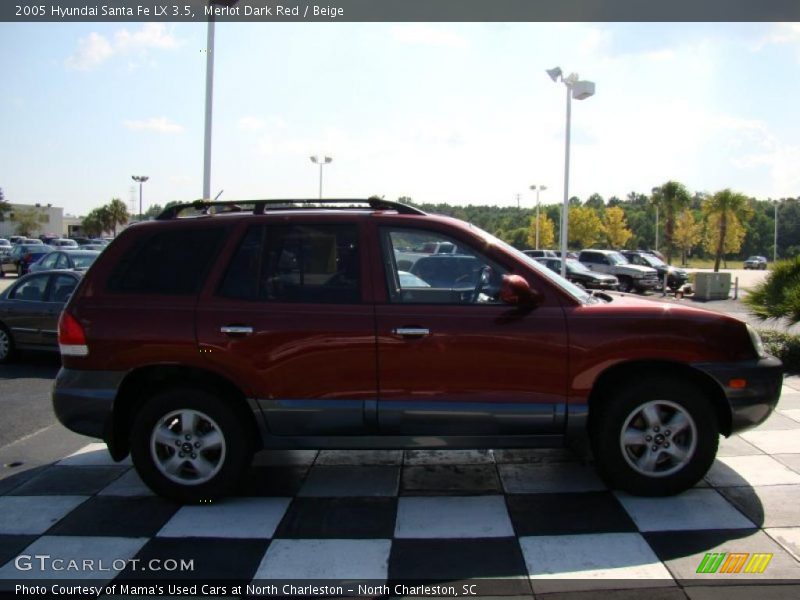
516	291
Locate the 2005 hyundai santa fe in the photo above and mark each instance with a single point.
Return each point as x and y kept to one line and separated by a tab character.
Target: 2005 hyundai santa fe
221	329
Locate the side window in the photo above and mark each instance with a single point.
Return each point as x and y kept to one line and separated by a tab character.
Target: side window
50	261
417	275
169	262
62	262
31	290
296	263
62	287
589	258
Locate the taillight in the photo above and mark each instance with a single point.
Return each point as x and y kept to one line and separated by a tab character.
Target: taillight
71	338
28	258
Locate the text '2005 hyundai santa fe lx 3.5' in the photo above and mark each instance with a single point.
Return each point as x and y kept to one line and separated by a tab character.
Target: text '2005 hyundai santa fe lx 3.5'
222	329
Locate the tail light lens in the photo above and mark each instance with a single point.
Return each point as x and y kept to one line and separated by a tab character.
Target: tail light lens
71	337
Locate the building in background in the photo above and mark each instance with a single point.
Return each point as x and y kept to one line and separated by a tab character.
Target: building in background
50	220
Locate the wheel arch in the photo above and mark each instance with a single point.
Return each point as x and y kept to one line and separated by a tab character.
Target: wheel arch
141	383
641	369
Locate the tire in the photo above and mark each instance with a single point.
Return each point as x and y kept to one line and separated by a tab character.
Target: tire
644	415
6	345
625	284
19	271
189	416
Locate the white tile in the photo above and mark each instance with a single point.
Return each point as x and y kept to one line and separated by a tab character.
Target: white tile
449	457
360	457
285	458
736	446
230	518
691	510
128	485
33	515
750	470
92	455
453	517
542	478
792	413
580	562
775	442
325	559
788	537
107	555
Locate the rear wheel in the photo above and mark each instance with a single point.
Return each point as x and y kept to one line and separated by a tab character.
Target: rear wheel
655	438
190	445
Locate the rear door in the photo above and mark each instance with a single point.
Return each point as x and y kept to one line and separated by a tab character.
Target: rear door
25	309
455	360
290	316
58	292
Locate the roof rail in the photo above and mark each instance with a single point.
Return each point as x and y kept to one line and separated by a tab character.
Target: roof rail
260	206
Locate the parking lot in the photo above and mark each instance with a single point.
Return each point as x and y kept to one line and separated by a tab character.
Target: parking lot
511	522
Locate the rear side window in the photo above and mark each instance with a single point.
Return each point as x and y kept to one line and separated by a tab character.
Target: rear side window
296	263
168	262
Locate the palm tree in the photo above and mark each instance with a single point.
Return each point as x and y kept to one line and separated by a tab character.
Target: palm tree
726	204
4	206
672	199
118	213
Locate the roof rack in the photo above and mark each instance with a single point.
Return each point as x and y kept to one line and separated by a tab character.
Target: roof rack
260	206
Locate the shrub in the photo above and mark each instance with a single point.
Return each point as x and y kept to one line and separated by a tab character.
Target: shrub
778	296
784	346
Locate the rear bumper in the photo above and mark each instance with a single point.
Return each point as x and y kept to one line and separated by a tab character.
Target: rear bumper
752	404
84	400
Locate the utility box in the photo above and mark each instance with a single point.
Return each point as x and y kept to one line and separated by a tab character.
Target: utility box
712	286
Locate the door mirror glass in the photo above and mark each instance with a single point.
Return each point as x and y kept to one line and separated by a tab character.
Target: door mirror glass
517	291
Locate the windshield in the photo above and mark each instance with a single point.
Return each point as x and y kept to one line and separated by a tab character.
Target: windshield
617	259
577	266
573	290
653	261
83	261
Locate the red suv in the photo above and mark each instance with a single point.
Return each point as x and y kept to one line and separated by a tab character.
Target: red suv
195	341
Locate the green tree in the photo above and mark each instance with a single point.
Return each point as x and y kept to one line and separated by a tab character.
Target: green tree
778	296
547	232
118	213
596	202
153	211
28	220
724	211
616	227
734	236
4	206
585	226
672	198
688	233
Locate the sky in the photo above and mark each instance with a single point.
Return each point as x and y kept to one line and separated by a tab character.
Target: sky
462	113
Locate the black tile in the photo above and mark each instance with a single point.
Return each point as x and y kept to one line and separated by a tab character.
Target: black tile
212	559
456	562
69	481
423	480
115	516
273	481
342	518
561	514
12	545
12	479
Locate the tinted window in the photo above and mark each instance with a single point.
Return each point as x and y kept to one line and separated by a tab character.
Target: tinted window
62	262
49	261
63	286
296	263
168	262
31	290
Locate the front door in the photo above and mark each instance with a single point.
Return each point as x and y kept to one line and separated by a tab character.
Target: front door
453	359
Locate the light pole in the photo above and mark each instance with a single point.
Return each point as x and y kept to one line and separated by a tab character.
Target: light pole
140	179
580	90
538	189
656	193
321	162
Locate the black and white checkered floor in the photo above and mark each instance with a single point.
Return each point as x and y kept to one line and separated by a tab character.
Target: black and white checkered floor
539	521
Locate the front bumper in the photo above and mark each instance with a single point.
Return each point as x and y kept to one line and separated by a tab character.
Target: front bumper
84	400
752	404
646	284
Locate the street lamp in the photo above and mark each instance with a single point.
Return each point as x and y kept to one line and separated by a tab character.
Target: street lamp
580	90
775	247
140	179
538	189
321	162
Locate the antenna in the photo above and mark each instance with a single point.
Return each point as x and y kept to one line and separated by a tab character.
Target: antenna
218	195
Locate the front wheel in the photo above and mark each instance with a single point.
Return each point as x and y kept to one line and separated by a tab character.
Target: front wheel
190	445
657	437
6	345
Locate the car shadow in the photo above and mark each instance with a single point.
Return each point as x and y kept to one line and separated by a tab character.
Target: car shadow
32	365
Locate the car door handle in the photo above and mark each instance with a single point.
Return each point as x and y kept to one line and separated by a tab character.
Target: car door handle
236	329
412	331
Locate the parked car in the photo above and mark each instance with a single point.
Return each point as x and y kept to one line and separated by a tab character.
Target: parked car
579	273
676	277
631	277
95	247
756	262
21	257
16	239
540	253
64	243
191	343
5	246
80	260
32	241
29	311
